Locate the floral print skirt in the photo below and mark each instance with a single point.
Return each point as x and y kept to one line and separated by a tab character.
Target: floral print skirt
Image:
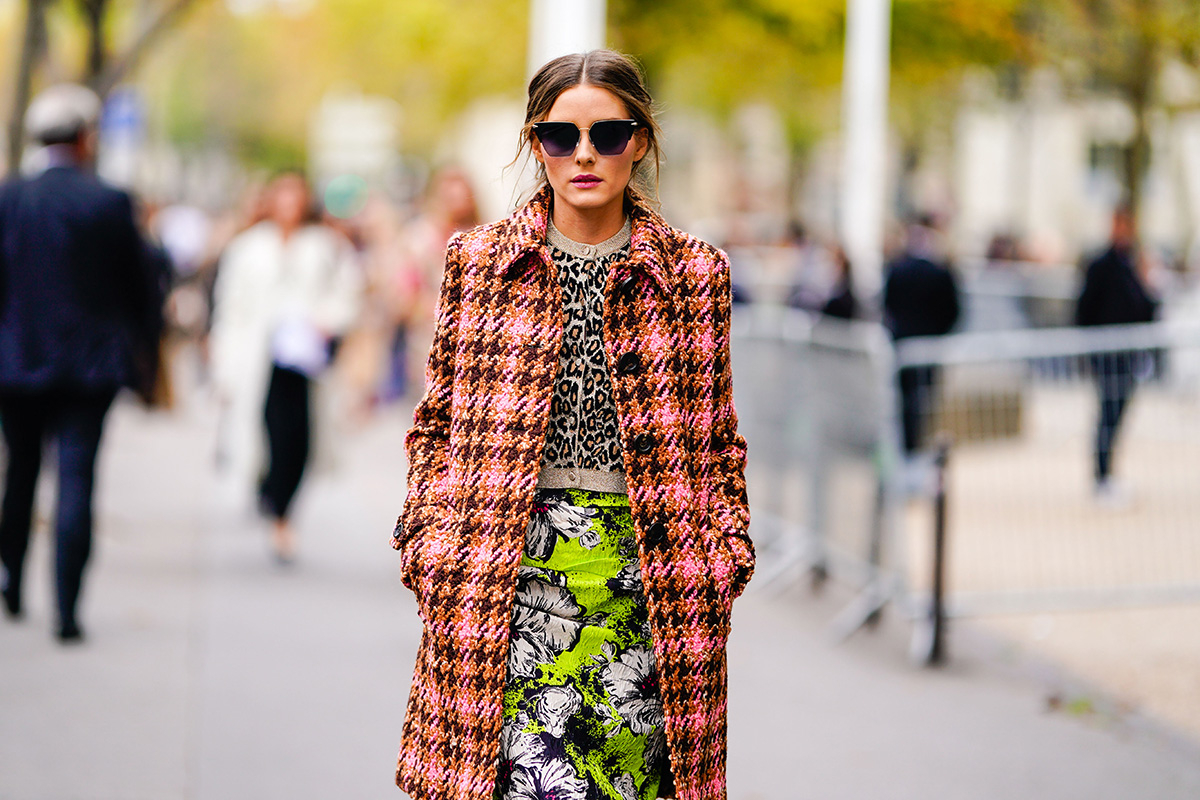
582	715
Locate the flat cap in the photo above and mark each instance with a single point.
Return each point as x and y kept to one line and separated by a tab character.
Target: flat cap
60	112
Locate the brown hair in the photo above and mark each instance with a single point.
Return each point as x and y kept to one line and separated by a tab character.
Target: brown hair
619	74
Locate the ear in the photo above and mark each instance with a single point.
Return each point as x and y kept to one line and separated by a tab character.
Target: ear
641	142
535	146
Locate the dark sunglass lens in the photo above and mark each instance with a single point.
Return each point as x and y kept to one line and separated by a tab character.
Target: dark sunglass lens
610	137
558	138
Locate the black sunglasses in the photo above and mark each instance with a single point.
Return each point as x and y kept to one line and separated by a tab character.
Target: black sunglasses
609	137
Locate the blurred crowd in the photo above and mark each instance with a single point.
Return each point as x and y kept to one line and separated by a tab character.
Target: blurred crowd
300	311
302	320
395	249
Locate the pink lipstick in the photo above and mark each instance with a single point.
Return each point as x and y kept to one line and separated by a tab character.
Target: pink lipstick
585	181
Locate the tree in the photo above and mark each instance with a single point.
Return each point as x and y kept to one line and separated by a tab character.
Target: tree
100	71
1119	47
33	47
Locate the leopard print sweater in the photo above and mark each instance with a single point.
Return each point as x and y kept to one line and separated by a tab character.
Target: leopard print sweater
583	442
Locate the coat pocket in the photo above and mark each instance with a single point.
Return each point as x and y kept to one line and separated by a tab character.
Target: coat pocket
427	548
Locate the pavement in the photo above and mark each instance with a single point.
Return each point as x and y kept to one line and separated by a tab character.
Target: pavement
210	673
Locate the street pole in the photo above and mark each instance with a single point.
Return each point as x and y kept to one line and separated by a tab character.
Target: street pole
864	139
559	27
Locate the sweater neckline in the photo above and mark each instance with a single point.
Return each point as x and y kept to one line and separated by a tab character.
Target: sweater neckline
612	244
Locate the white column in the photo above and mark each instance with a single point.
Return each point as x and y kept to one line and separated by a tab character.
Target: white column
559	27
864	138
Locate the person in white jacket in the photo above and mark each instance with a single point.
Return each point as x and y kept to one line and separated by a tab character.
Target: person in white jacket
287	289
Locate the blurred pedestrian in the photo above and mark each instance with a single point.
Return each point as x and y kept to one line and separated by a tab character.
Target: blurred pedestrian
841	302
1114	293
812	272
287	288
920	298
80	312
449	208
578	426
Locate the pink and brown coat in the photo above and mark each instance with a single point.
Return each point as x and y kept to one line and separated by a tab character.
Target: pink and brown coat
474	452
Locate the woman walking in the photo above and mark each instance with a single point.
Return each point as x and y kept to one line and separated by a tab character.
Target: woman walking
286	290
575	525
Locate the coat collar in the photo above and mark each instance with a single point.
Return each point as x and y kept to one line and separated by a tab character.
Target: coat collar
523	237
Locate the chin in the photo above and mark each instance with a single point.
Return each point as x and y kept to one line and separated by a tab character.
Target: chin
582	198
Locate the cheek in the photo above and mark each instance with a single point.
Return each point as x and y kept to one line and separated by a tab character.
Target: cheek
557	169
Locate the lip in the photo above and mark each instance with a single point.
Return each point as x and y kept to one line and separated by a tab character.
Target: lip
585	181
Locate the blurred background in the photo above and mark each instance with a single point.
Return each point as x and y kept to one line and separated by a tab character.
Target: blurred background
998	477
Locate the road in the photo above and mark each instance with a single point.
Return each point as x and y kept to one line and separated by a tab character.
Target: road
211	673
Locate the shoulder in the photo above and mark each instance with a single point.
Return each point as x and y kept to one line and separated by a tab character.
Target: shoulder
697	249
1104	263
321	238
98	190
8	191
10	185
255	234
482	238
250	241
677	247
494	243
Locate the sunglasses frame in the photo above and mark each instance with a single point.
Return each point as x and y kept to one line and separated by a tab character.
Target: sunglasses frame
579	132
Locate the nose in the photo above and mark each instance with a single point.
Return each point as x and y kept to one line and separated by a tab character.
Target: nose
584	152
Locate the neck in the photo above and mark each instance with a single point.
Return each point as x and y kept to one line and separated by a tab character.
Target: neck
287	230
61	155
589	225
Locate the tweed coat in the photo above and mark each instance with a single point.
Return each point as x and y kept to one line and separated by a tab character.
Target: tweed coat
474	452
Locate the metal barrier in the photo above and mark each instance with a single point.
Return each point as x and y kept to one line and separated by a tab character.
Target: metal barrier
834	491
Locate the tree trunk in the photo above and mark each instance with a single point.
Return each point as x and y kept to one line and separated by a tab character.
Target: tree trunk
1136	157
1139	92
94	12
33	45
119	66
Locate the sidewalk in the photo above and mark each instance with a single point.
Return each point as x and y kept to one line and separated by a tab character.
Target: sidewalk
211	674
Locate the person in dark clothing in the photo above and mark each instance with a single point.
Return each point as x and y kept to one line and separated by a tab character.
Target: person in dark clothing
1114	294
76	308
841	304
920	298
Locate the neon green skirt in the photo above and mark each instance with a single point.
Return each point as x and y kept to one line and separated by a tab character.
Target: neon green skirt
582	714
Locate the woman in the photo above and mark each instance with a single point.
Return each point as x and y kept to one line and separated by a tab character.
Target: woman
575	526
286	289
449	208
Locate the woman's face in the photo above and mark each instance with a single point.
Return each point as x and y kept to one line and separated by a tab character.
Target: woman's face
289	201
585	180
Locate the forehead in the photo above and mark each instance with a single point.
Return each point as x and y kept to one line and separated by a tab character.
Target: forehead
585	104
289	183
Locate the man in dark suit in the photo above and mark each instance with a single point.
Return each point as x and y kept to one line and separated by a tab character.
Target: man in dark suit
920	298
1113	294
75	302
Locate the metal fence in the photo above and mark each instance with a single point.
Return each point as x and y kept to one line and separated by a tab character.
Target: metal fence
835	491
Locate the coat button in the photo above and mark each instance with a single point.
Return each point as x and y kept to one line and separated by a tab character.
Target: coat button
656	534
643	443
629	364
627	284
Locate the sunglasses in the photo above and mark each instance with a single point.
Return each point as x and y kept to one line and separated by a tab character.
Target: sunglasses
609	137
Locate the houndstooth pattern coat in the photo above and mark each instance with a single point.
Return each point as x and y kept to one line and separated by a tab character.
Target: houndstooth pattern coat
474	452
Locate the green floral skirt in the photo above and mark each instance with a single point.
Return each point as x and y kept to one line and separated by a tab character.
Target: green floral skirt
582	715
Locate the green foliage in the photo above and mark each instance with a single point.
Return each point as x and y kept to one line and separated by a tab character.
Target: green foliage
227	75
257	78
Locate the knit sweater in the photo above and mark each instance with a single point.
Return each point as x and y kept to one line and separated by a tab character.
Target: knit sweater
583	445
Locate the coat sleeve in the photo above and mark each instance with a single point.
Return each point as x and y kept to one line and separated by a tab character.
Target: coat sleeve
731	509
428	440
4	190
234	300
